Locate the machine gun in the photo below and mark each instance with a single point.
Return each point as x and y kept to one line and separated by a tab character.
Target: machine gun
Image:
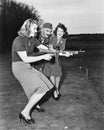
56	53
65	53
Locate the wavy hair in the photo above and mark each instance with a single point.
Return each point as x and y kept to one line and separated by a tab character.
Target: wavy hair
25	28
62	26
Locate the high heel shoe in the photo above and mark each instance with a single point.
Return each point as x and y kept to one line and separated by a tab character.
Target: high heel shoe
28	121
39	109
59	95
55	96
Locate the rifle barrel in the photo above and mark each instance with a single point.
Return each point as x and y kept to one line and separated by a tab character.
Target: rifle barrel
63	52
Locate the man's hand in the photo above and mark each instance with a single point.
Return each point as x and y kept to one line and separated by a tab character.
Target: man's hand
47	56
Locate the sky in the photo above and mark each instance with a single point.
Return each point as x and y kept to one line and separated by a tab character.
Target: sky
79	16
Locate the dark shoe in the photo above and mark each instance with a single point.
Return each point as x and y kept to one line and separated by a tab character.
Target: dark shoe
39	109
28	121
55	97
59	95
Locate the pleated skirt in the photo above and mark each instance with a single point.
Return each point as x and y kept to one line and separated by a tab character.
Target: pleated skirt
32	80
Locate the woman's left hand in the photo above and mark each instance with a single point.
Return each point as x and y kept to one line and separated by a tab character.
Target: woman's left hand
66	54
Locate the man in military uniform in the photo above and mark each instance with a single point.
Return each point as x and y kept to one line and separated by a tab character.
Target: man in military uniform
44	37
46	33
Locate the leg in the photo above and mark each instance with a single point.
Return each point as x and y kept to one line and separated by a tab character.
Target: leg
53	80
33	100
45	81
57	84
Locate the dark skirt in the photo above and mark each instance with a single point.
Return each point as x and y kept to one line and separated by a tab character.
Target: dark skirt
53	69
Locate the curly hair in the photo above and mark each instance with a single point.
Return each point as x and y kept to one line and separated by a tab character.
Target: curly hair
62	26
25	28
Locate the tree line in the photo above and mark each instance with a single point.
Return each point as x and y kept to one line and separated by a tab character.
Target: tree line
86	37
12	16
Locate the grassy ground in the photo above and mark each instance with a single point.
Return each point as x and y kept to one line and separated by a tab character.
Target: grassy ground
79	108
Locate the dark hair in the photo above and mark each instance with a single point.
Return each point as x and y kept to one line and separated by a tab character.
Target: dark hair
62	26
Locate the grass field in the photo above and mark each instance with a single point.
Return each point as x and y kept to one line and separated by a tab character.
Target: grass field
80	107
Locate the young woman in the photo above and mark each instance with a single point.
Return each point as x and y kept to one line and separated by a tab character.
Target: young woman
53	70
33	82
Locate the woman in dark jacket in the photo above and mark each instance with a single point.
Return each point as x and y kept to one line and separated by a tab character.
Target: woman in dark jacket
53	70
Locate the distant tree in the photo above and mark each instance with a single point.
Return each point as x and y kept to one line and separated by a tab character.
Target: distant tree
12	15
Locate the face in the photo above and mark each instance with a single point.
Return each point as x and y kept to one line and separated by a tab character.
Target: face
60	32
33	30
46	32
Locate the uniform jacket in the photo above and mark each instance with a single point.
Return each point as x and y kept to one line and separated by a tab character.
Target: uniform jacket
60	44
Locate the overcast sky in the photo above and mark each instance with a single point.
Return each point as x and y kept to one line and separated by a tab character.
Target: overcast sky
80	16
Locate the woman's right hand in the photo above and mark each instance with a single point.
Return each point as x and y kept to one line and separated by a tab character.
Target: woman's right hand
47	56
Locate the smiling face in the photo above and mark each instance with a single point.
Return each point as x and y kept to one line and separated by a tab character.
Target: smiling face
60	32
46	32
33	30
